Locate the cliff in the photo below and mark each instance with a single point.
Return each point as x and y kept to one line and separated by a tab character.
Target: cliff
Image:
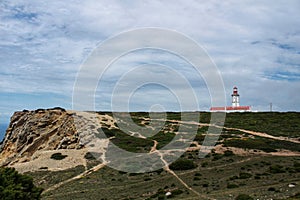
42	129
34	139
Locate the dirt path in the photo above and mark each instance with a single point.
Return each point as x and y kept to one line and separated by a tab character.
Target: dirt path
83	174
154	150
265	135
218	166
260	134
183	183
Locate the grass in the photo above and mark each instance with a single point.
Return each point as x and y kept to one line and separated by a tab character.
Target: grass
45	179
213	180
264	144
163	138
274	123
183	164
102	184
134	144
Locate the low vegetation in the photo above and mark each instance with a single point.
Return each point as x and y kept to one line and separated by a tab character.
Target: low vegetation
183	164
264	144
58	156
274	123
244	197
17	186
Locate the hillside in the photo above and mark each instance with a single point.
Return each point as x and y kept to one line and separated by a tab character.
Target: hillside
256	154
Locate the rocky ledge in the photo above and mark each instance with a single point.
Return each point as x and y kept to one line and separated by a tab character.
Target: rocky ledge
31	131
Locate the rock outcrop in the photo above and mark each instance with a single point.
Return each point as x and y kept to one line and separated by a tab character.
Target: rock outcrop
31	131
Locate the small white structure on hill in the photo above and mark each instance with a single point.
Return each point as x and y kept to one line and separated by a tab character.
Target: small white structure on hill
235	98
235	104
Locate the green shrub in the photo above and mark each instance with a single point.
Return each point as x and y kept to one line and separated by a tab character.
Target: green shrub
199	138
133	174
193	145
297	166
108	132
243	197
43	168
228	153
276	169
177	192
233	177
296	196
129	143
257	177
163	138
205	185
89	156
265	163
147	179
182	164
17	186
271	189
159	171
204	164
232	185
198	174
161	197
217	156
58	156
244	175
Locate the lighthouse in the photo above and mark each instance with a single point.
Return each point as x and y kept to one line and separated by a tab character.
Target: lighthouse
235	104
235	98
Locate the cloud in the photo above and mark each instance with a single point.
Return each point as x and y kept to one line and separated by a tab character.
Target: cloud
256	46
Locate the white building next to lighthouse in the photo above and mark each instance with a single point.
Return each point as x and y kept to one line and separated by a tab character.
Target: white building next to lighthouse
235	104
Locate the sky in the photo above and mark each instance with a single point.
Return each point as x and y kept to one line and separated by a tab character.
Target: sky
254	44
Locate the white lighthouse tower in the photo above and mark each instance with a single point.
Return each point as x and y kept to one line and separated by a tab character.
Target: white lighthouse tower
235	104
235	98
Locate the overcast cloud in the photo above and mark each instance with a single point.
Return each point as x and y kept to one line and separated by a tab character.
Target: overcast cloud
255	44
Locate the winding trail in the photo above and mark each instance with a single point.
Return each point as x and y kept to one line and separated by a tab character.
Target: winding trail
154	150
265	135
83	174
260	134
175	175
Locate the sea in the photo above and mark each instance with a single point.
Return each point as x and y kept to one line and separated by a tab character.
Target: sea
3	128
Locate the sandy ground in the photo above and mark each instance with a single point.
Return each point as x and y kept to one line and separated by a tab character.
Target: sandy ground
243	152
41	159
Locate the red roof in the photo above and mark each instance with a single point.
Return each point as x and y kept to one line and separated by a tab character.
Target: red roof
230	108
